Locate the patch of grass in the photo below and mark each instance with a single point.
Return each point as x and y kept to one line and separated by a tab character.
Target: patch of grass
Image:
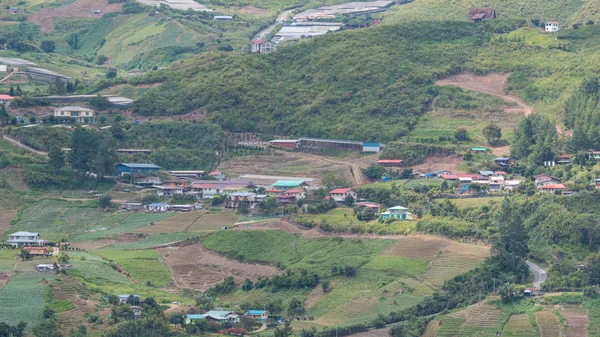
61	306
156	240
178	223
295	252
474	202
142	265
93	269
126	224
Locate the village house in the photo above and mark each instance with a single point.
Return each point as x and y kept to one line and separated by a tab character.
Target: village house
274	192
478	150
182	208
6	100
14	10
511	185
261	316
208	189
597	183
289	144
340	194
297	194
45	267
544	179
290	184
137	312
563	159
551	27
168	191
217	316
186	174
478	14
158	207
128	168
81	115
263	46
132	206
21	239
38	251
485	174
372	147
390	162
396	212
239	199
552	188
223	17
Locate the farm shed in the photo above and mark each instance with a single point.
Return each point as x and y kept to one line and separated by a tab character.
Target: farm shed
124	168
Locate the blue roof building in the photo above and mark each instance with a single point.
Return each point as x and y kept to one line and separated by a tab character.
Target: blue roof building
258	315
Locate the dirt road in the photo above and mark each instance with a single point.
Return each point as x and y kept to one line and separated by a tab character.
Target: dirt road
18	144
357	177
281	18
492	84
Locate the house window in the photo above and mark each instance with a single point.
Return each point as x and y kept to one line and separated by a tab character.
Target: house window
62	113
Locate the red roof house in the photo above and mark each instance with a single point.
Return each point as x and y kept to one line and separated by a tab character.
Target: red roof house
340	194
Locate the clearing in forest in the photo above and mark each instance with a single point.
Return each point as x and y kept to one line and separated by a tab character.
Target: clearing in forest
197	268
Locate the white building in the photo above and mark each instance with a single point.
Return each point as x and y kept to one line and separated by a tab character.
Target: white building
340	194
551	26
263	46
81	115
21	239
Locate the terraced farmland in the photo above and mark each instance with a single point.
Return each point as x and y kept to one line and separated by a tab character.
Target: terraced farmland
212	221
155	240
73	292
519	326
449	265
577	320
195	267
549	324
477	320
177	223
418	247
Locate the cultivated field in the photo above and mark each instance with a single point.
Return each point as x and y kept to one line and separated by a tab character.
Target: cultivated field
197	268
178	223
23	298
126	223
577	320
14	178
212	221
519	325
79	9
477	320
141	265
71	300
549	324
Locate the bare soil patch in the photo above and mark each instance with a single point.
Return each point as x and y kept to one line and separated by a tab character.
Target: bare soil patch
14	177
197	268
385	332
4	278
79	9
435	163
577	320
69	289
6	216
315	295
282	163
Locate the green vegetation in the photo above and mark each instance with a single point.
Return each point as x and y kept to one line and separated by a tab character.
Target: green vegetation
314	255
397	266
142	265
156	240
23	298
128	223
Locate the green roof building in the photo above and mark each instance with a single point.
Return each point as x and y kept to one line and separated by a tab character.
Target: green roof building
289	184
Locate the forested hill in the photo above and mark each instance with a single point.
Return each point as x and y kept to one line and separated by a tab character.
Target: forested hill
367	84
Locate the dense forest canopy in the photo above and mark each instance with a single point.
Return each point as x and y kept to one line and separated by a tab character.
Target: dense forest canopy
369	84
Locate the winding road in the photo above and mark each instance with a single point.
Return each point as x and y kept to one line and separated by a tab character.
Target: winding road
19	144
281	18
539	275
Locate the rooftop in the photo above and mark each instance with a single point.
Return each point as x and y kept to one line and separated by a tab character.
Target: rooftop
288	183
7	97
24	234
73	108
340	190
136	165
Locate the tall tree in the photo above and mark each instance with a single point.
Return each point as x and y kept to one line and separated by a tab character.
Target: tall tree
512	239
492	133
106	156
4	116
84	149
56	157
